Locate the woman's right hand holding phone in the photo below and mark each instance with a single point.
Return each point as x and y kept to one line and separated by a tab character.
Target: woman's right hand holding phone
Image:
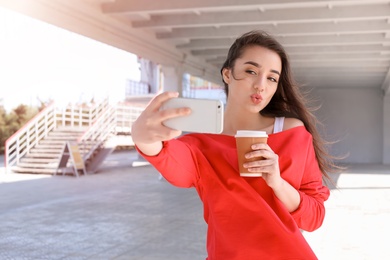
148	130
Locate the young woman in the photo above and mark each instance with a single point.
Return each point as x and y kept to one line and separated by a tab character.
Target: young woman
247	217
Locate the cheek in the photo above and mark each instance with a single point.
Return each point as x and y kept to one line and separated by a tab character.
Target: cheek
272	89
239	87
236	92
269	94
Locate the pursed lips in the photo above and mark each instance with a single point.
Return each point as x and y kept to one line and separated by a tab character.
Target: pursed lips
256	98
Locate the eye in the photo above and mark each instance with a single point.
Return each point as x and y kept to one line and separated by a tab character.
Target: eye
273	79
251	72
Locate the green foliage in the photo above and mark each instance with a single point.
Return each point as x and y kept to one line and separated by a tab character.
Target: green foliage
12	121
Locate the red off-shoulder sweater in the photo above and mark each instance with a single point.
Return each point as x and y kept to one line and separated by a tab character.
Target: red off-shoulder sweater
245	219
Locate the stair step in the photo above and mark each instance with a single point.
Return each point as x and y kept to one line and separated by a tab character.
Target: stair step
50	146
71	129
33	170
65	133
56	142
43	155
38	160
61	138
39	165
46	150
44	158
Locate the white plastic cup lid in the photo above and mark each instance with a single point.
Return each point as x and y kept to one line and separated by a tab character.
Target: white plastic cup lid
250	133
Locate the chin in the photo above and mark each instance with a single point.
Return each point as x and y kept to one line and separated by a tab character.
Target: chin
255	110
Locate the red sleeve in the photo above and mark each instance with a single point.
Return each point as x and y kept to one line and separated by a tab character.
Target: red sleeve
311	211
176	162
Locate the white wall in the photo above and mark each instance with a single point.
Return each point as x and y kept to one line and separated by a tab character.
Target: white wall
386	130
355	118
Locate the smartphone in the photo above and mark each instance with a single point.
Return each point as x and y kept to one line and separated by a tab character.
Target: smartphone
206	115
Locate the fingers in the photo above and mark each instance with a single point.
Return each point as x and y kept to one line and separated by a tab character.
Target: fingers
259	146
153	114
261	163
171	110
266	159
260	150
158	100
174	112
156	103
149	127
266	163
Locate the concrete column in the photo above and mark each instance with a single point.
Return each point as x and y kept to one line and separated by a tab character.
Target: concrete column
386	129
173	79
150	74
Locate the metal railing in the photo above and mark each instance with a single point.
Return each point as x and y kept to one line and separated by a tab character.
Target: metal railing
95	136
136	88
100	120
80	116
50	118
20	143
125	117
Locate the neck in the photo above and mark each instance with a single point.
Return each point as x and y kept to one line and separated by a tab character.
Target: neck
235	119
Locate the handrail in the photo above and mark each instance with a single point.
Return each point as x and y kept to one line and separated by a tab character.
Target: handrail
101	121
22	140
136	88
31	121
97	133
125	117
37	128
76	116
104	107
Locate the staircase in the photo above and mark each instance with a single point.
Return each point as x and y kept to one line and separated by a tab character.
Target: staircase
38	146
46	155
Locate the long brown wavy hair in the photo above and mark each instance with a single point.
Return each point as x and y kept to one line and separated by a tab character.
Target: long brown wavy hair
288	101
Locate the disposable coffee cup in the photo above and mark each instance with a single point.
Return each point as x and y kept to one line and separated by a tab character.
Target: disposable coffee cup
244	140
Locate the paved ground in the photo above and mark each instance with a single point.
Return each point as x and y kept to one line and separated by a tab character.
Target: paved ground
126	212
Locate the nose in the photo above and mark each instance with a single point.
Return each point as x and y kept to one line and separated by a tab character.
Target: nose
260	83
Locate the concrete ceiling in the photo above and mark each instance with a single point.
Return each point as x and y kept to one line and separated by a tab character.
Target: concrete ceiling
332	44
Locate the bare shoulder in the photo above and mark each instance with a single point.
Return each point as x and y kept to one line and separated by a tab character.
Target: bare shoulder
291	123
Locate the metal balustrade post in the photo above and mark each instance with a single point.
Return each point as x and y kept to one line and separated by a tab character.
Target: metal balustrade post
46	126
80	116
17	151
71	115
28	139
62	116
90	117
23	140
54	118
36	131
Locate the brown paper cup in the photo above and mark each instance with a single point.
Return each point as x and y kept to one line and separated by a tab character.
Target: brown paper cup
244	141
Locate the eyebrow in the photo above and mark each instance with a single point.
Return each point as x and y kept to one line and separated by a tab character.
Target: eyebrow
257	65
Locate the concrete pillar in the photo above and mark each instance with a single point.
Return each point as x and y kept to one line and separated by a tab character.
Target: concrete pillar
386	129
173	79
150	74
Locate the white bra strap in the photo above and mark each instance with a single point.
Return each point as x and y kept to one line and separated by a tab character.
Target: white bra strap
278	125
